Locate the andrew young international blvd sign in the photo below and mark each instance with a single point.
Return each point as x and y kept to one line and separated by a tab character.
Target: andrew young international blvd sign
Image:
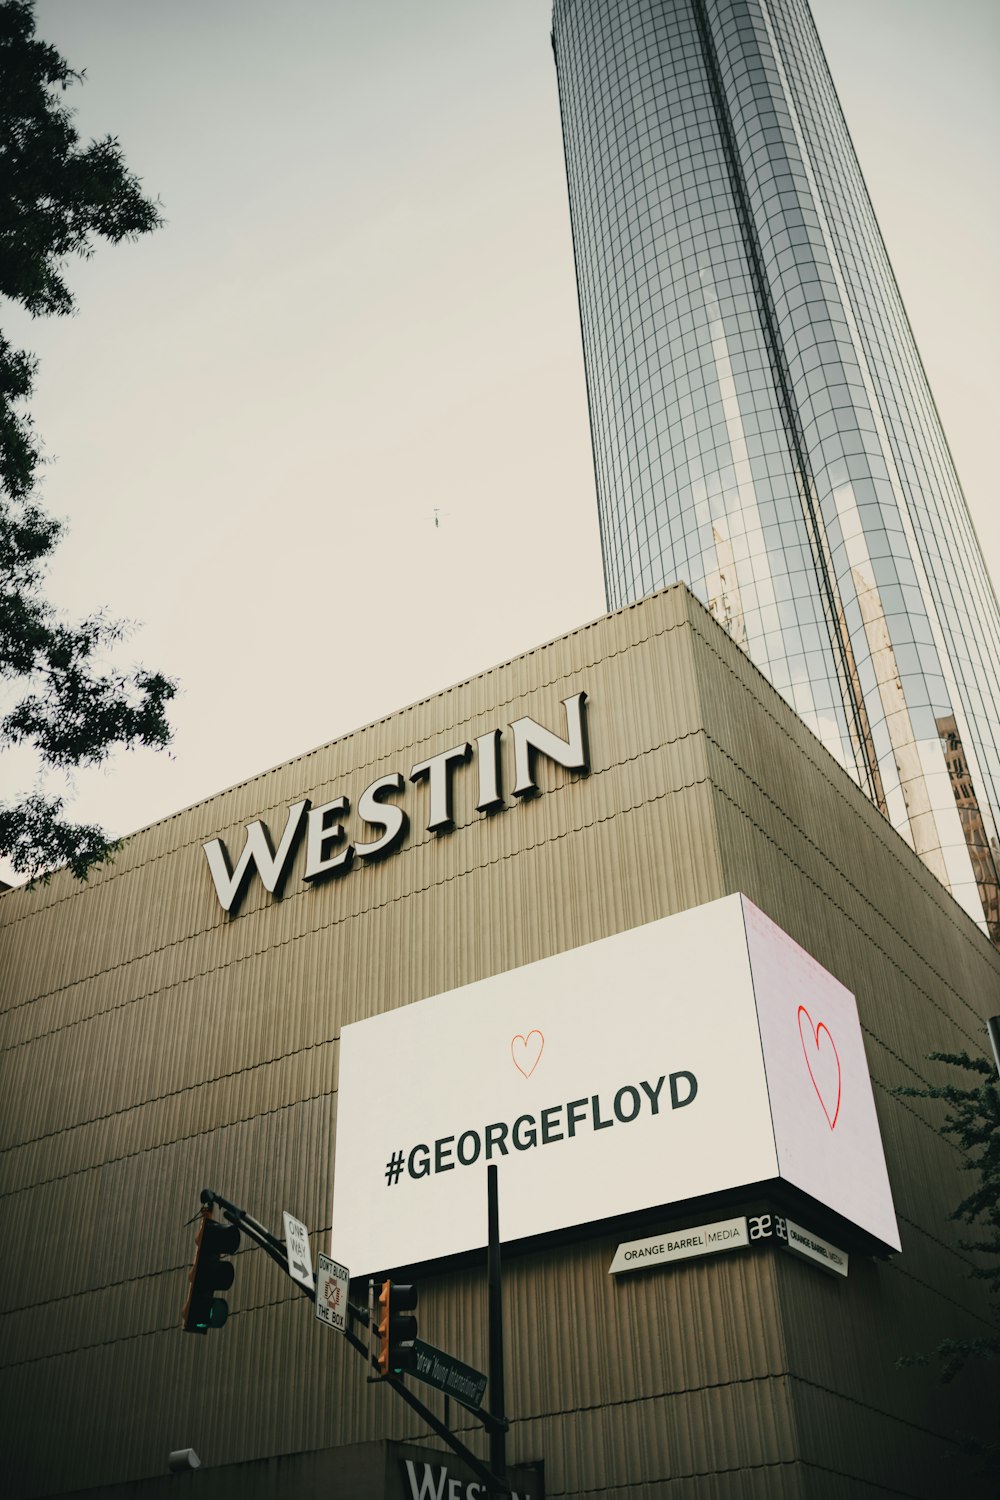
700	1053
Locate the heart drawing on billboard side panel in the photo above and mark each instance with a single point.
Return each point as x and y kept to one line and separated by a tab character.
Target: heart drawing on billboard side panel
824	1073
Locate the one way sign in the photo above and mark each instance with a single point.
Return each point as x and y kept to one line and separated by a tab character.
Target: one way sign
299	1257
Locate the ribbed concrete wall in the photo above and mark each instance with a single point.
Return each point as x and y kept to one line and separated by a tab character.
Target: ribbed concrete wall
151	1045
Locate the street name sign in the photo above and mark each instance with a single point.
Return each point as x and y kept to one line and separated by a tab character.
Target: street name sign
300	1264
664	1249
436	1368
331	1292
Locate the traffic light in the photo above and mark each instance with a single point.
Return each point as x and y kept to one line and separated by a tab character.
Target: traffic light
209	1275
397	1328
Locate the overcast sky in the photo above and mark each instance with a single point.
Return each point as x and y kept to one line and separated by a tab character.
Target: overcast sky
360	320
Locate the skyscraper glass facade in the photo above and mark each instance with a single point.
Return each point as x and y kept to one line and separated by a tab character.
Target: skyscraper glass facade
761	422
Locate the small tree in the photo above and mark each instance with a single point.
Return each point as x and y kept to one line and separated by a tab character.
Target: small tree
973	1122
56	198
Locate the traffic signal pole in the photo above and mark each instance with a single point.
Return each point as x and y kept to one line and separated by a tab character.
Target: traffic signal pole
496	1484
498	1432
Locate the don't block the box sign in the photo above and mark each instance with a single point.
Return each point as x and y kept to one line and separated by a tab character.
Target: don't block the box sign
700	1053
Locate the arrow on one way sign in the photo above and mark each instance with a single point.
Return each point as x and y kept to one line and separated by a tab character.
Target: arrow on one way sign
299	1255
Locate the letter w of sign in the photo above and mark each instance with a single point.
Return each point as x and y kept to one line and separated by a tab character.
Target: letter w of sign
257	852
425	1488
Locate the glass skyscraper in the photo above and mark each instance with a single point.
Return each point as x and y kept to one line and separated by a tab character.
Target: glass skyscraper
761	422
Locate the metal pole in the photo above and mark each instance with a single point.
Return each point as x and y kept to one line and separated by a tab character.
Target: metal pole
498	1433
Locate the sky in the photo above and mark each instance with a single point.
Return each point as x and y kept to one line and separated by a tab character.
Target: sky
324	436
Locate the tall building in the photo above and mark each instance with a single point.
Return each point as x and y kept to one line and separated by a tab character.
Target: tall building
762	425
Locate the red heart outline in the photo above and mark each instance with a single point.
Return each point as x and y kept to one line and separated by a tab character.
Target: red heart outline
524	1040
815	1038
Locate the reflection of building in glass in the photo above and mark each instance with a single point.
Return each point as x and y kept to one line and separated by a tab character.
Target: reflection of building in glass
985	852
762	425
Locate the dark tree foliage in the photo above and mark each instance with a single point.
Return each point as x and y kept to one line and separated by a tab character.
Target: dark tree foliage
56	199
973	1122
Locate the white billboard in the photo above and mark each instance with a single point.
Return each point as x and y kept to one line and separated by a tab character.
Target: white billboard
698	1053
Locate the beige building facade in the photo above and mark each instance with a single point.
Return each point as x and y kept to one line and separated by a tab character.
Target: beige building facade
154	1043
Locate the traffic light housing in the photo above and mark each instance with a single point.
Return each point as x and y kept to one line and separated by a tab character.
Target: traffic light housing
396	1328
209	1275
